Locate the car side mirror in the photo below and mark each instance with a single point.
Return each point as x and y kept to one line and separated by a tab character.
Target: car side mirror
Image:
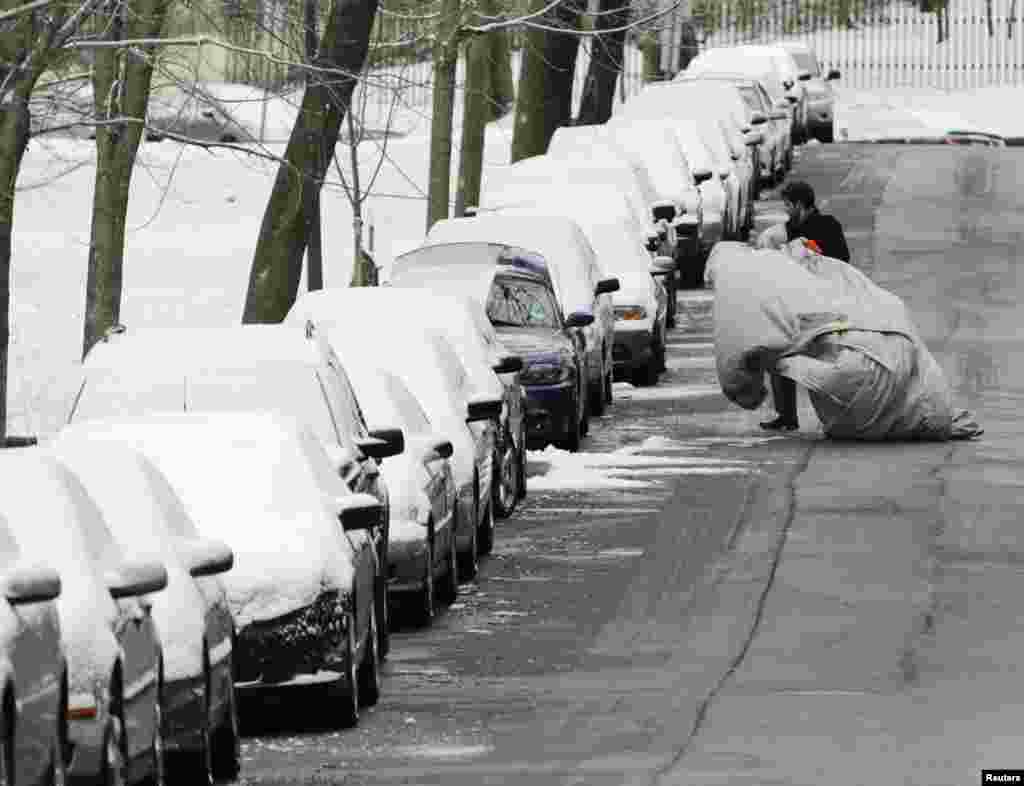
833	74
483	407
360	512
205	556
606	286
382	443
702	176
753	138
509	364
579	319
438	448
132	578
758	118
662	266
663	210
31	584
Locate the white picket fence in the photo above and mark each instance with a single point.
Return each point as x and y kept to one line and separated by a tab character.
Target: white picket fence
899	48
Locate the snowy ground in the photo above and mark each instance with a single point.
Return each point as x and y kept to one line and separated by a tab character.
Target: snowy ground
195	216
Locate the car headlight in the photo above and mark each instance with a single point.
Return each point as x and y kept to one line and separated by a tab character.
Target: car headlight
630	312
550	370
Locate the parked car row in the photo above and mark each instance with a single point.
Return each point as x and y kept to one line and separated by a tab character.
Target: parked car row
237	512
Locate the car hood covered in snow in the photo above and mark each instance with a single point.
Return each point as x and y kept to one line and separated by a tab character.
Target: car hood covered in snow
530	341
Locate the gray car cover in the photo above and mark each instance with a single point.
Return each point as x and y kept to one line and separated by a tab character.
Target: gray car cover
825	325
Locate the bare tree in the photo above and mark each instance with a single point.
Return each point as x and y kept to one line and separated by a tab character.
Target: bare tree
605	62
121	77
33	36
277	261
446	54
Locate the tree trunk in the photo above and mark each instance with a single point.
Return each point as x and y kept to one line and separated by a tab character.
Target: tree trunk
314	250
446	55
988	18
650	50
545	82
121	85
502	84
478	108
689	46
1011	18
605	63
14	127
277	261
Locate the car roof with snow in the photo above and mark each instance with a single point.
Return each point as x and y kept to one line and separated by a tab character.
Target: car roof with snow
196	347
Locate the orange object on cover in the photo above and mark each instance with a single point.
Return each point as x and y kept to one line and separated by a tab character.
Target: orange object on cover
813	246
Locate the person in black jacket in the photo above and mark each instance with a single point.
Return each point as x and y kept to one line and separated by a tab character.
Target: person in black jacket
806	221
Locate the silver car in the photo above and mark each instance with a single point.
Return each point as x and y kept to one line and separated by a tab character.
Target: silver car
32	668
818	86
146	516
115	659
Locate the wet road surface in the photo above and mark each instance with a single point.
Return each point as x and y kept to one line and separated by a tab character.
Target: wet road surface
594	640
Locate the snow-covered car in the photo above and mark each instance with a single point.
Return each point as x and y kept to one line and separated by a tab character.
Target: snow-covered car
282	368
490	372
699	135
465	324
579	282
32	667
796	78
422	557
676	181
763	64
599	162
301	590
192	617
773	122
818	86
114	659
431	369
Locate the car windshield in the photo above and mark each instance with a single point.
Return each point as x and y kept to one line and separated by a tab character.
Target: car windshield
807	62
517	302
752	98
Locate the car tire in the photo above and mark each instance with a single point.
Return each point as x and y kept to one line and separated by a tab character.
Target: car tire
225	751
425	606
348	689
647	374
504	493
468	563
450	582
58	775
7	765
383	609
158	777
114	765
368	674
827	133
673	285
197	766
609	388
595	394
521	468
572	440
485	537
584	406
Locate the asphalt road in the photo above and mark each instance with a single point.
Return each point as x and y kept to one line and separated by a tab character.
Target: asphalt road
588	649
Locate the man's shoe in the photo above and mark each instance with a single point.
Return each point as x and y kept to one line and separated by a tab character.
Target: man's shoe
780	424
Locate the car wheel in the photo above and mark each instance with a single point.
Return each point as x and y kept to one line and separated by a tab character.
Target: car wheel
225	752
485	538
425	597
584	409
468	559
596	394
503	486
383	609
827	133
348	691
671	289
609	389
114	766
521	468
450	583
368	675
7	748
647	374
197	766
158	776
572	439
